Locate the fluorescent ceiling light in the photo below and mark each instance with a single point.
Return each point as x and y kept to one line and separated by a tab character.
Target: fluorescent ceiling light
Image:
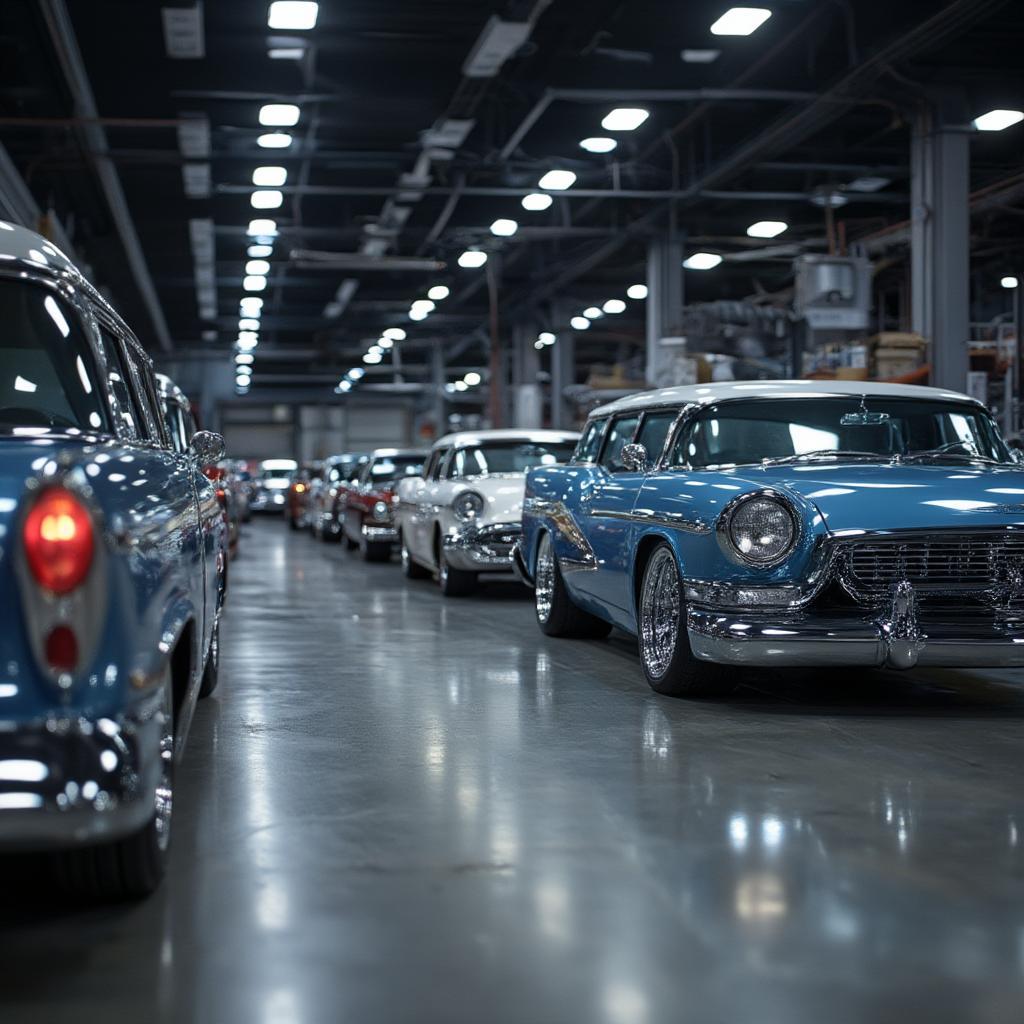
251	305
702	261
557	181
869	183
245	359
1009	282
262	227
384	344
538	344
498	41
472	378
375	349
356	373
637	291
461	385
279	115
579	323
274	140
624	119
997	120
254	282
546	338
394	333
536	201
183	32
257	267
248	337
700	56
504	228
258	252
344	385
438	292
418	314
614	306
472	258
740	21
246	346
598	144
372	358
286	53
269	177
267	199
248	324
767	228
425	304
294	15
592	312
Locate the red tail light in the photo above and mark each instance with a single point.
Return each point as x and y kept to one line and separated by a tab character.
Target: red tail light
59	541
62	649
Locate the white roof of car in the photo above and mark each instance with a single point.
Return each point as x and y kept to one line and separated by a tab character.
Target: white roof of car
708	394
465	438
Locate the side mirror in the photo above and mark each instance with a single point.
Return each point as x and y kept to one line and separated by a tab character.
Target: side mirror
207	447
634	458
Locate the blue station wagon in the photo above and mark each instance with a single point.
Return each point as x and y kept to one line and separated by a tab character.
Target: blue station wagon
784	523
113	573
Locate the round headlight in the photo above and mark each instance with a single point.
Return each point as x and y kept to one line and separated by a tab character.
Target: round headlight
761	530
381	510
468	505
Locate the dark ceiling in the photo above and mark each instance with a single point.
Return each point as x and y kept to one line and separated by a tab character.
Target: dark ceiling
835	85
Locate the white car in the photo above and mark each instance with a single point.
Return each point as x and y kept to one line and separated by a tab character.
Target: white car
463	515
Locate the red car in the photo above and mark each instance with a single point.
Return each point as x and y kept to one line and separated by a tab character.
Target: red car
367	515
296	509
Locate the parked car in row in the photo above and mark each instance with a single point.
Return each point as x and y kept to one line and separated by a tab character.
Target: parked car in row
113	573
463	515
367	506
296	510
784	523
270	486
338	471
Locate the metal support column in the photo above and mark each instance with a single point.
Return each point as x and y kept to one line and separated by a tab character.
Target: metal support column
664	301
563	376
940	238
440	409
526	397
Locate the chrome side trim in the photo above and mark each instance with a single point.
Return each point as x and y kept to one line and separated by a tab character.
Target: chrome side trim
651	518
566	524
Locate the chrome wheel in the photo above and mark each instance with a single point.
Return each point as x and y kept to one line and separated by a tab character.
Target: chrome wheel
660	609
442	569
165	787
406	557
544	583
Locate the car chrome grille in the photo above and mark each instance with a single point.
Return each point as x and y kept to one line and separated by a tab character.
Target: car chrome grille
961	562
499	540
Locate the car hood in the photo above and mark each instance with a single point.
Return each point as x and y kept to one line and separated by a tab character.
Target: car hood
858	496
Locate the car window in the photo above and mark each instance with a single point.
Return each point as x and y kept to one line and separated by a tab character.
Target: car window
434	463
145	416
654	430
620	434
590	442
175	424
47	374
509	457
117	376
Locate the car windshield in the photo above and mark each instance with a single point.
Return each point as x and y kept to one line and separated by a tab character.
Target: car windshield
47	375
385	470
276	474
745	433
509	457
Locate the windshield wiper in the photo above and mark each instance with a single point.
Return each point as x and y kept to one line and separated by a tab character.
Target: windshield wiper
824	453
946	451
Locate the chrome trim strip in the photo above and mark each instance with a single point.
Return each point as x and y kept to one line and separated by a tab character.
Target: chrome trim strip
565	522
649	517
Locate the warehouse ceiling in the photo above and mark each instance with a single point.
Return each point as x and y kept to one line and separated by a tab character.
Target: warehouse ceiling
400	160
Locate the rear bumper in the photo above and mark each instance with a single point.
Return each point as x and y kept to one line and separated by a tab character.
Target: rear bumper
67	782
483	549
735	638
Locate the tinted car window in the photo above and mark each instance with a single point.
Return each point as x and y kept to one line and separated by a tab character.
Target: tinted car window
654	431
47	374
590	442
119	384
175	423
619	436
508	457
387	468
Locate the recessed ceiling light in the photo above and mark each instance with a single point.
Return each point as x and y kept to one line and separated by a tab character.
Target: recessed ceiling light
538	344
286	53
245	359
868	183
254	283
536	201
557	181
740	21
267	199
248	324
424	304
472	258
262	227
274	140
504	228
357	373
767	228
344	385
614	306
418	314
702	261
279	115
997	120
372	358
829	197
546	338
247	338
637	291
375	349
472	378
1009	282
246	346
384	344
269	177
592	312
700	56
257	267
394	333
251	305
258	252
598	144
295	15
437	293
624	119
579	323
461	385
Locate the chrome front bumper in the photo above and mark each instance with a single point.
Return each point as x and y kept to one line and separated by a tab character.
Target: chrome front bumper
382	534
73	781
483	549
735	638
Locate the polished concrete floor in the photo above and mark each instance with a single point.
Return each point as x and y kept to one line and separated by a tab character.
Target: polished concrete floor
401	808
